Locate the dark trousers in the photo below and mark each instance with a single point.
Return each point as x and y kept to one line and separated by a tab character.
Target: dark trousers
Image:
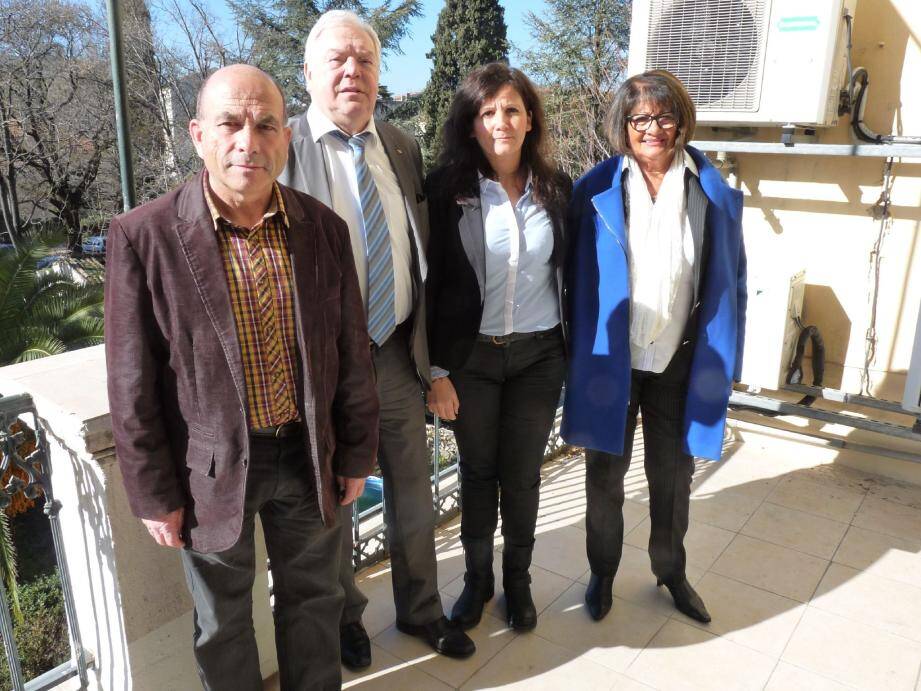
409	516
307	596
508	400
669	471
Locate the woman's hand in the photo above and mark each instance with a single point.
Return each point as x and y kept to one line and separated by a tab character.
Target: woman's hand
442	399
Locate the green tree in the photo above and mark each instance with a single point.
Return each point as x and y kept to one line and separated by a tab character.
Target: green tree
43	312
469	33
579	56
277	31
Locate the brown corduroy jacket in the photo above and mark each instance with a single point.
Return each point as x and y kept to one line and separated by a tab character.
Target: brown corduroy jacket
175	375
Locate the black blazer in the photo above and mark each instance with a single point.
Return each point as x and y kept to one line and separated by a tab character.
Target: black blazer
457	261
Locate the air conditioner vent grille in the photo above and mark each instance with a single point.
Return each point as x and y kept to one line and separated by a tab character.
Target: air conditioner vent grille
715	47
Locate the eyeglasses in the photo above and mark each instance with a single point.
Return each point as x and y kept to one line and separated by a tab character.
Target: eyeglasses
643	121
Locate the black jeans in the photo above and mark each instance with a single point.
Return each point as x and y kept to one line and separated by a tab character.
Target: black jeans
508	399
669	471
305	565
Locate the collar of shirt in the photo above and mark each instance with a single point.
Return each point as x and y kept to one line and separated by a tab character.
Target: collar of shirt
688	161
320	125
276	205
490	187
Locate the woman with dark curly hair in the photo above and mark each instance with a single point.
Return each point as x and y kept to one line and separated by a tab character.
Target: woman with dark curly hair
496	206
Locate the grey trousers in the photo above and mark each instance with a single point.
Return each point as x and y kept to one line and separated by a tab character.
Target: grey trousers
304	555
669	471
409	516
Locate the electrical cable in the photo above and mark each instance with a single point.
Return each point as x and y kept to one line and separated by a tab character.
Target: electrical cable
857	100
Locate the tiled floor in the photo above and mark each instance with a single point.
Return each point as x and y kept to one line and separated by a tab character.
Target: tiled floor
811	570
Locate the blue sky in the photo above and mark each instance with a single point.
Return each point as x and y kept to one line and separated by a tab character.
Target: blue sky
410	71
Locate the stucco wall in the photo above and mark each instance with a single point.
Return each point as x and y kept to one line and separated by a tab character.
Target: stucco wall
816	212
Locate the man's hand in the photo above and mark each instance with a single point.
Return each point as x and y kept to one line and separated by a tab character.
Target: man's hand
442	399
166	529
350	488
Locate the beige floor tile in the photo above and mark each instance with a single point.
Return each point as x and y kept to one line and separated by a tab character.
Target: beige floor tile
491	636
535	664
684	657
853	653
742	613
613	642
727	508
870	599
777	569
797	491
786	677
885	555
704	543
377	586
561	551
898	492
889	517
387	673
804	532
546	587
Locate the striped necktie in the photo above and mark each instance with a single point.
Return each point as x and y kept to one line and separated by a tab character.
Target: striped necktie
381	312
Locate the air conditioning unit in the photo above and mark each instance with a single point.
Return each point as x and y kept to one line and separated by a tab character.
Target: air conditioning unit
748	62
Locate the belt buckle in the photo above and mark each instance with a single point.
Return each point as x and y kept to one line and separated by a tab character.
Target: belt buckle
280	428
497	340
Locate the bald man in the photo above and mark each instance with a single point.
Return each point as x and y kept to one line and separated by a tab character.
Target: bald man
240	383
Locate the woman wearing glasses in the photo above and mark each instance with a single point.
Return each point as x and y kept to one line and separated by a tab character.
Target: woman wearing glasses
657	297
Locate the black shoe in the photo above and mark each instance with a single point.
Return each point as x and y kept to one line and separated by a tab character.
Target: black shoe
442	636
520	611
687	601
468	610
354	646
599	596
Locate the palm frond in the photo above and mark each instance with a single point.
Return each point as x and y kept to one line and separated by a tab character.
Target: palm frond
8	566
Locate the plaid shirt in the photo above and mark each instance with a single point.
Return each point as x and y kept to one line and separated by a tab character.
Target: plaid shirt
258	273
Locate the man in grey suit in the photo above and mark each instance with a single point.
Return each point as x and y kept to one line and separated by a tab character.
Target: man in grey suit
370	173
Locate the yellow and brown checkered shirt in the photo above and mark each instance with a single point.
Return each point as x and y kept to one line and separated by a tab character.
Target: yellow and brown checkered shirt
258	273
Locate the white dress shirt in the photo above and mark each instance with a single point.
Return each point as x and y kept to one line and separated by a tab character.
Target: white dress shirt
656	356
343	188
520	294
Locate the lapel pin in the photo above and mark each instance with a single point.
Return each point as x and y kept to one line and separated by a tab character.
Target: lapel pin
399	151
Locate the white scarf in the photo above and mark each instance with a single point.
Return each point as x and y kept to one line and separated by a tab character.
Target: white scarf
655	232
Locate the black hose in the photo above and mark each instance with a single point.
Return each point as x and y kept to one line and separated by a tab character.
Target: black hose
795	375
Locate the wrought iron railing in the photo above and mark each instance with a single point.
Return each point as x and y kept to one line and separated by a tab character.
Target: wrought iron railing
368	535
32	481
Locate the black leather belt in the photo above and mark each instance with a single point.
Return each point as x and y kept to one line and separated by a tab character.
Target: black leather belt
518	336
288	429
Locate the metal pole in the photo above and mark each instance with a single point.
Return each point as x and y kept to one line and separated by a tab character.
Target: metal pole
119	85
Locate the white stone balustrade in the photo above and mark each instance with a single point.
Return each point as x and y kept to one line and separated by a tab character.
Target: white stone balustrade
133	608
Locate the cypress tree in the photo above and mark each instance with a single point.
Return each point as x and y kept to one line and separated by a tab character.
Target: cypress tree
469	33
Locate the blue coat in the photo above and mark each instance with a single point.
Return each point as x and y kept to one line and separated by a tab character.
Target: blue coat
598	383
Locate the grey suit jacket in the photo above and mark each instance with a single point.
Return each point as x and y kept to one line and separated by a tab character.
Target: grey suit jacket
306	171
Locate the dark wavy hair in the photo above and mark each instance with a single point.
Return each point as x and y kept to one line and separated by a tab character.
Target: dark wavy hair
462	159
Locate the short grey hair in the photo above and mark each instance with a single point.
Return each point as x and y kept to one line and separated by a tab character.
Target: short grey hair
333	18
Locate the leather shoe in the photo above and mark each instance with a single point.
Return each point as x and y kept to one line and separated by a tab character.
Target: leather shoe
442	636
354	646
519	606
468	610
687	601
599	596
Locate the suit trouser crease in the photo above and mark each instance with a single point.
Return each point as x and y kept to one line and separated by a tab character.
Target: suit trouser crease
669	471
409	515
508	400
307	596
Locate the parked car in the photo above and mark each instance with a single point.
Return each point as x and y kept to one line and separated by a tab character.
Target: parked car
94	244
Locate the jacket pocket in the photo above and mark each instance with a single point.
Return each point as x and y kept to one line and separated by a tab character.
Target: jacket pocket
200	456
